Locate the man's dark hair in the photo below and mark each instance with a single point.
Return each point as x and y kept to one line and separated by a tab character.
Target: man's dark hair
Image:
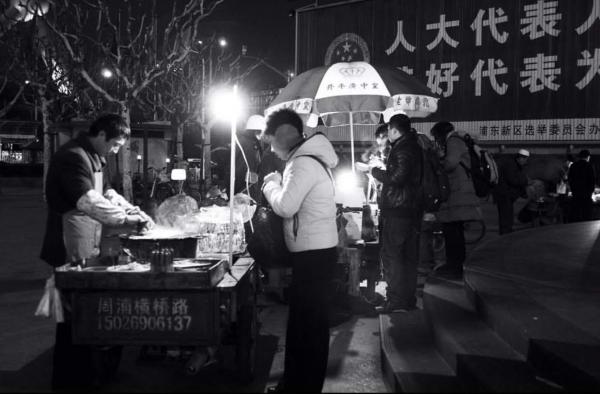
400	122
113	125
584	154
441	129
281	117
381	130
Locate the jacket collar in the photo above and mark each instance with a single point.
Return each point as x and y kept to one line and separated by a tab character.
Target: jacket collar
98	160
406	137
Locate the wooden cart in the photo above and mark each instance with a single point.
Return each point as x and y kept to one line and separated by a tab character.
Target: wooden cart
166	309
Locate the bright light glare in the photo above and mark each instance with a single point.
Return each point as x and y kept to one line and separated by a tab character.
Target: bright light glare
106	73
222	42
346	181
178	174
139	157
226	105
348	191
29	9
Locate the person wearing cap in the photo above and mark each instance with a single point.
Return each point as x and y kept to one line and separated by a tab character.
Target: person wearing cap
512	182
582	182
246	164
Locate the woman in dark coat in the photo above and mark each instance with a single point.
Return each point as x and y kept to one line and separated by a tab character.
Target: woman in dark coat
462	205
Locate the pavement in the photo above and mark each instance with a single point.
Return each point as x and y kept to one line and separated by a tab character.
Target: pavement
26	341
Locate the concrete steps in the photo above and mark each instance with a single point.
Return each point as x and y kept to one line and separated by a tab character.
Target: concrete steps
481	360
527	317
558	349
447	348
409	359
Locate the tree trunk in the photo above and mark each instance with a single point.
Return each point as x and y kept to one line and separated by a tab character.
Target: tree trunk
179	139
48	138
125	153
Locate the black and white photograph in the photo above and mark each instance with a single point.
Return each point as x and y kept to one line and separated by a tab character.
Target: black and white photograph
287	196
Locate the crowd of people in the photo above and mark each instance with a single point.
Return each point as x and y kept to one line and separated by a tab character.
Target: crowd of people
294	176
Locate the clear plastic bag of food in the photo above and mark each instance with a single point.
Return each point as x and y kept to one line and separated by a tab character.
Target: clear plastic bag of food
173	210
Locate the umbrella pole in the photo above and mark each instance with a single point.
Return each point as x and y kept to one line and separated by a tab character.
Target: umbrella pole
352	143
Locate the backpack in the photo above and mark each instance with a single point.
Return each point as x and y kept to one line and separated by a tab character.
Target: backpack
267	243
436	187
483	171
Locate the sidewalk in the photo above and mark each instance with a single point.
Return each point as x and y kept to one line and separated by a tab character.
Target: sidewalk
26	341
23	337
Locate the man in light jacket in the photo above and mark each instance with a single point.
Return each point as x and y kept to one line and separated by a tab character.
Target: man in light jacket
304	197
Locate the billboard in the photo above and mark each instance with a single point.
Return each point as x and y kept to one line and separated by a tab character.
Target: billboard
504	69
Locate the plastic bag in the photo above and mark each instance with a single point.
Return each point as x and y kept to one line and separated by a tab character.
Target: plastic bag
51	305
168	213
267	243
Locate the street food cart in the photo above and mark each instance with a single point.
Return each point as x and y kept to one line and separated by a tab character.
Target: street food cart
165	290
212	305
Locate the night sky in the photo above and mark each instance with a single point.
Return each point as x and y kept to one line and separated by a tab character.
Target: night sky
264	26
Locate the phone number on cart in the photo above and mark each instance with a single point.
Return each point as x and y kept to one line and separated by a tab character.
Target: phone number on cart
144	323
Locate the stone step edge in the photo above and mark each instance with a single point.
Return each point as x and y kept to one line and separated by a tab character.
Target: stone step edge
417	366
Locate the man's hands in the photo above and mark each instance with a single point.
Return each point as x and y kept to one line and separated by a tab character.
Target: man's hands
376	163
135	216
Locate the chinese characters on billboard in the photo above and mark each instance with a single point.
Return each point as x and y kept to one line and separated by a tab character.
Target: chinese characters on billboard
505	70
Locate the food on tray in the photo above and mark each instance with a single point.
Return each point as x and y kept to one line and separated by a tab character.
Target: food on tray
160	232
131	267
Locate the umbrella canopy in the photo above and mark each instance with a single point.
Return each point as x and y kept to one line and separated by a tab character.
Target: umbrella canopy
354	93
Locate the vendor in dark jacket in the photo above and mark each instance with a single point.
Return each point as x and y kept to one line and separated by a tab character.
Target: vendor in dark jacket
582	182
512	182
401	206
79	203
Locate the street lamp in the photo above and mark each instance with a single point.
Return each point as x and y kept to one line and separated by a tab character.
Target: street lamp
222	42
106	73
227	105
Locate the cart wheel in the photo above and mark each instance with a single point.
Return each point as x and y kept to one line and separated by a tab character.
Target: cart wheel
247	334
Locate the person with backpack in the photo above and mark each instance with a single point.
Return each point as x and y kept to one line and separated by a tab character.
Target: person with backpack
401	207
462	204
304	198
512	183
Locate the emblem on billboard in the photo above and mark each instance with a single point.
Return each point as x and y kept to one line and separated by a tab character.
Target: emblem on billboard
347	47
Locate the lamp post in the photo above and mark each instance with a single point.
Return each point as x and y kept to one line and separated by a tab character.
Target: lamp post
207	81
227	105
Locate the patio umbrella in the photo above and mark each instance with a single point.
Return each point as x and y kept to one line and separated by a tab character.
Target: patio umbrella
354	93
